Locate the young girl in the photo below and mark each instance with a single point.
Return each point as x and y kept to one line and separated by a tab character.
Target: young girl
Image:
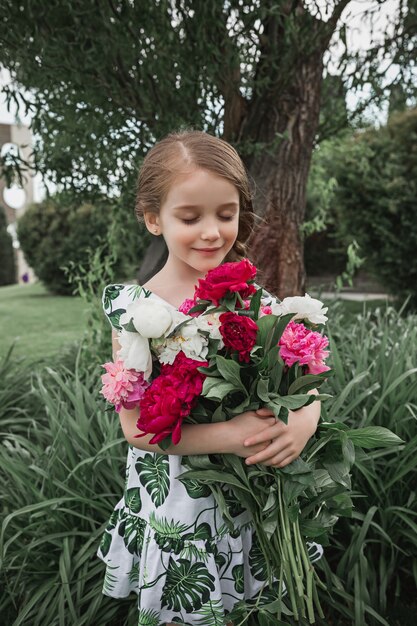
166	539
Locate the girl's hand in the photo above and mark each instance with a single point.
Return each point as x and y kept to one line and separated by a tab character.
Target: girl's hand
248	424
288	440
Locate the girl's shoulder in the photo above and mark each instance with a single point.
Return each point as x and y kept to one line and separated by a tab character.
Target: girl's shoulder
116	298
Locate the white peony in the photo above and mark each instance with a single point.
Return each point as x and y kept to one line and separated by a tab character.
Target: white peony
135	352
304	307
151	319
211	324
177	318
188	339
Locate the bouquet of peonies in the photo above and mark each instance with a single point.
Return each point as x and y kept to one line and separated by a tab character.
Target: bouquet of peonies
229	350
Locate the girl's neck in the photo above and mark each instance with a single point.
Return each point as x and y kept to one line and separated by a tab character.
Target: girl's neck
174	283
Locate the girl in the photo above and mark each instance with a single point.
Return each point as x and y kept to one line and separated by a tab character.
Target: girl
166	539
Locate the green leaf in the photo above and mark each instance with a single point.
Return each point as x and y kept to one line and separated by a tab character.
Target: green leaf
292	402
132	529
148	617
306	383
187	586
215	476
132	499
114	318
257	563
111	292
266	324
129	326
230	370
262	389
195	488
255	303
211	613
153	471
105	543
238	577
166	442
373	437
217	388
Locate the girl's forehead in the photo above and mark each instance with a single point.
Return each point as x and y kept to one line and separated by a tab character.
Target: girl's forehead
198	182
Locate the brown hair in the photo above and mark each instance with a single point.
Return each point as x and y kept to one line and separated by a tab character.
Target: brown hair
181	151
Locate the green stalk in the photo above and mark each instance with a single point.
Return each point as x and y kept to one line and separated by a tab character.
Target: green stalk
309	570
288	535
288	576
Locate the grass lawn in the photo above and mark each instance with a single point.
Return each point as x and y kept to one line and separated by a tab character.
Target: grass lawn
41	323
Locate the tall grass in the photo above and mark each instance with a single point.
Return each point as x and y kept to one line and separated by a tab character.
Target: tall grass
374	554
62	472
62	466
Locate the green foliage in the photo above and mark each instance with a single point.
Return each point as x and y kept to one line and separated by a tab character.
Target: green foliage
98	108
67	232
362	192
7	264
373	554
323	253
57	231
375	200
65	448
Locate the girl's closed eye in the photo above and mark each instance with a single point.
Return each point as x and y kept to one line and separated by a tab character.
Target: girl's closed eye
222	217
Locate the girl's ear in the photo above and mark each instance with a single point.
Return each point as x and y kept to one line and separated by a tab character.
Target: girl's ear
152	223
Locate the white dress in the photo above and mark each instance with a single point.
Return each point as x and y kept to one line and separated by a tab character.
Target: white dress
166	539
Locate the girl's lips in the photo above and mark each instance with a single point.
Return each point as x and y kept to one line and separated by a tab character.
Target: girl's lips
206	249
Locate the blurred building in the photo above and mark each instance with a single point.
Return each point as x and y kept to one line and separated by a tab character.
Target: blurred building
17	138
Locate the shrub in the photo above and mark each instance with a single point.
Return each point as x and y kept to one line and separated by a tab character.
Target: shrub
324	254
7	264
375	200
64	230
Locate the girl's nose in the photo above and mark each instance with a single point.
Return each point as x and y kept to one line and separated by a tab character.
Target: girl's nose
210	231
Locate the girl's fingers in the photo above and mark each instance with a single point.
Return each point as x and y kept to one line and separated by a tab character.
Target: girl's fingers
272	432
264	411
270	455
281	462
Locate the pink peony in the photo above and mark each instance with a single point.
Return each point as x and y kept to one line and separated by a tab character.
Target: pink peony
186	306
298	343
122	387
265	310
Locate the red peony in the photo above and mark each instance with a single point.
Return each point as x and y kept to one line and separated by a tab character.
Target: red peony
229	277
239	333
170	398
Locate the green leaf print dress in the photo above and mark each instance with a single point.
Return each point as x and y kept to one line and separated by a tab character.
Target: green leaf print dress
166	539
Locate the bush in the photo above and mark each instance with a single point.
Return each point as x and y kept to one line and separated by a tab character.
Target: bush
7	264
64	230
374	201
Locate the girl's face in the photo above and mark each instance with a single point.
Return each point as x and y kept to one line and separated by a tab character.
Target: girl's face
199	220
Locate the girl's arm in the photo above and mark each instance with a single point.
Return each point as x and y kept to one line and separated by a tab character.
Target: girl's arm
222	437
285	442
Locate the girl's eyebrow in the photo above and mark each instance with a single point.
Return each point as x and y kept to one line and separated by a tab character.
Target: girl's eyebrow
198	206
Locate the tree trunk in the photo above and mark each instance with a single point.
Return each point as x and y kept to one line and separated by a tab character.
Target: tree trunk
281	173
